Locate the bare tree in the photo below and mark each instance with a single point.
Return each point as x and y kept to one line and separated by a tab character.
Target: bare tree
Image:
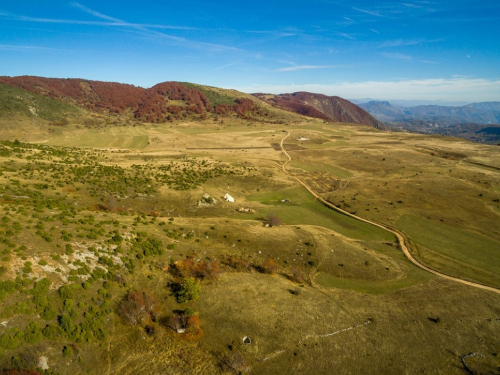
135	306
178	322
273	220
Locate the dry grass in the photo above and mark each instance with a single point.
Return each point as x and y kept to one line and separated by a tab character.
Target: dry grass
363	308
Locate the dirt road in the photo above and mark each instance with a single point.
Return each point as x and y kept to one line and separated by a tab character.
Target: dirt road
399	235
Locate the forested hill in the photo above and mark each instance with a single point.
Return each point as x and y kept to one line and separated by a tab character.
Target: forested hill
163	102
329	108
170	101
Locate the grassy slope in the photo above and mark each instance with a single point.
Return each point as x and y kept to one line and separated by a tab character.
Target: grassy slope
16	102
449	248
374	280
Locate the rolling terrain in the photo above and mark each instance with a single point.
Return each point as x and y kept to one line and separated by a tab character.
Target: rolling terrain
119	250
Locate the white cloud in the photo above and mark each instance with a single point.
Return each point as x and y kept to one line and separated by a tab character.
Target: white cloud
411	5
368	12
346	36
449	89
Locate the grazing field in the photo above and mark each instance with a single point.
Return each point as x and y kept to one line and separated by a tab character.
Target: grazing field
454	250
114	137
120	255
301	208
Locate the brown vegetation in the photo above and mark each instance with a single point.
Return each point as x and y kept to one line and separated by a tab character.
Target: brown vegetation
160	103
329	108
205	269
270	267
135	306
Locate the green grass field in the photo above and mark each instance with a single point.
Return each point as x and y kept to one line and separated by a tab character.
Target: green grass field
114	137
455	250
304	209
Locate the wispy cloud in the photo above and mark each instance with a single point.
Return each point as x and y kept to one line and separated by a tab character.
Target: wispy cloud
346	36
149	30
10	47
368	12
462	89
400	43
305	67
399	56
225	66
94	13
411	5
90	23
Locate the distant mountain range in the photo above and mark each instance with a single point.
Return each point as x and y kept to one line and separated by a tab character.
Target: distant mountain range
478	122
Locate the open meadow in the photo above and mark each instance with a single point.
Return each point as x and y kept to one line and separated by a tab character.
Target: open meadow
120	255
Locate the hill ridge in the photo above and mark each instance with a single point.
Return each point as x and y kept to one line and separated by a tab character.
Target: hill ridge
329	108
170	100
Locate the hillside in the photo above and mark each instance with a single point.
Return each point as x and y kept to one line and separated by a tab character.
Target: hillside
171	101
120	255
329	108
167	101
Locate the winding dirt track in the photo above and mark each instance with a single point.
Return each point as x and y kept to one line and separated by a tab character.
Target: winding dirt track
399	235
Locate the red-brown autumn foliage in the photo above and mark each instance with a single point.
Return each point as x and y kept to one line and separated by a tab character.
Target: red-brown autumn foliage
270	266
160	103
187	326
193	328
205	269
237	264
329	108
137	305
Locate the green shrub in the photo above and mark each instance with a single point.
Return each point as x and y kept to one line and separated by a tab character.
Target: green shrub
189	290
40	287
51	331
11	339
48	313
69	249
65	323
33	333
68	351
67	291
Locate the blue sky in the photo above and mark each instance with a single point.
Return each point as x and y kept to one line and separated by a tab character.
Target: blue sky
409	49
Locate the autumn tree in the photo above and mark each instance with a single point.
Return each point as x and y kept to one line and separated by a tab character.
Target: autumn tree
270	267
135	306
